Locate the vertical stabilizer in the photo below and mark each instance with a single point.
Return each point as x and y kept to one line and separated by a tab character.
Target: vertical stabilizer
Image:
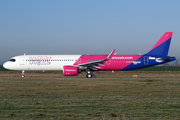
161	48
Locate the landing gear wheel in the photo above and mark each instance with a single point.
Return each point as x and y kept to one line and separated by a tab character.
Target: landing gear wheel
89	75
23	76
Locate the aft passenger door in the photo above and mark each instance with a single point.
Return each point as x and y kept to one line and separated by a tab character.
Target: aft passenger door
146	60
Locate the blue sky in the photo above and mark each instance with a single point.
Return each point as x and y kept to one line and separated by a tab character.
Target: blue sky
86	26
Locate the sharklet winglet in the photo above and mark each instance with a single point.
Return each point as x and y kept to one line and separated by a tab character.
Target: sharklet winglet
111	54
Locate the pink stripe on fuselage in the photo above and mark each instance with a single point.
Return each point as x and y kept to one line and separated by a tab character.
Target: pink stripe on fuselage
117	62
165	37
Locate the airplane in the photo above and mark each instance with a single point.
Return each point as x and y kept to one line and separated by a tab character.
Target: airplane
71	65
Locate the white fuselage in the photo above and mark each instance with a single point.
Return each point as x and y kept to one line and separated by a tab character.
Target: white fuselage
40	62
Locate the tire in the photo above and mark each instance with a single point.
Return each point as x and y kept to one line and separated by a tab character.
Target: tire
89	75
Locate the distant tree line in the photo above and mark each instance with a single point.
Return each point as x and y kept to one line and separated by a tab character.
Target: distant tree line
175	64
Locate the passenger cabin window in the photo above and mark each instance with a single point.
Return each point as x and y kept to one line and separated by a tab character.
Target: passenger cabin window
13	60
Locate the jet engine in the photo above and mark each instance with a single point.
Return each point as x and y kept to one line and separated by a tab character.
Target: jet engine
70	71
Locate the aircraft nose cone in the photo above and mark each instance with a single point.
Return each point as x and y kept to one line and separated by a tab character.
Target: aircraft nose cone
5	65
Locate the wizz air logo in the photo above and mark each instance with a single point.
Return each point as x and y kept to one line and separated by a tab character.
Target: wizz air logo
40	60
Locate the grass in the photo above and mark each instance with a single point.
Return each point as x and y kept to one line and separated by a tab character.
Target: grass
2	68
115	96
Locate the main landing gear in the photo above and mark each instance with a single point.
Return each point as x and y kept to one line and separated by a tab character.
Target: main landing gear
88	73
23	74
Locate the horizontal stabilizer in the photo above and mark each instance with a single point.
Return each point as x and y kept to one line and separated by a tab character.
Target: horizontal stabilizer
167	58
170	58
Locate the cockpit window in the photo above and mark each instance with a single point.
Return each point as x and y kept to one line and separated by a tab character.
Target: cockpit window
12	60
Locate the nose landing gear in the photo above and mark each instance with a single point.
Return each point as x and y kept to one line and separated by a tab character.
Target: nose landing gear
23	72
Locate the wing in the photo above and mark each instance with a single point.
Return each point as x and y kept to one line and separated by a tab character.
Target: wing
94	65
